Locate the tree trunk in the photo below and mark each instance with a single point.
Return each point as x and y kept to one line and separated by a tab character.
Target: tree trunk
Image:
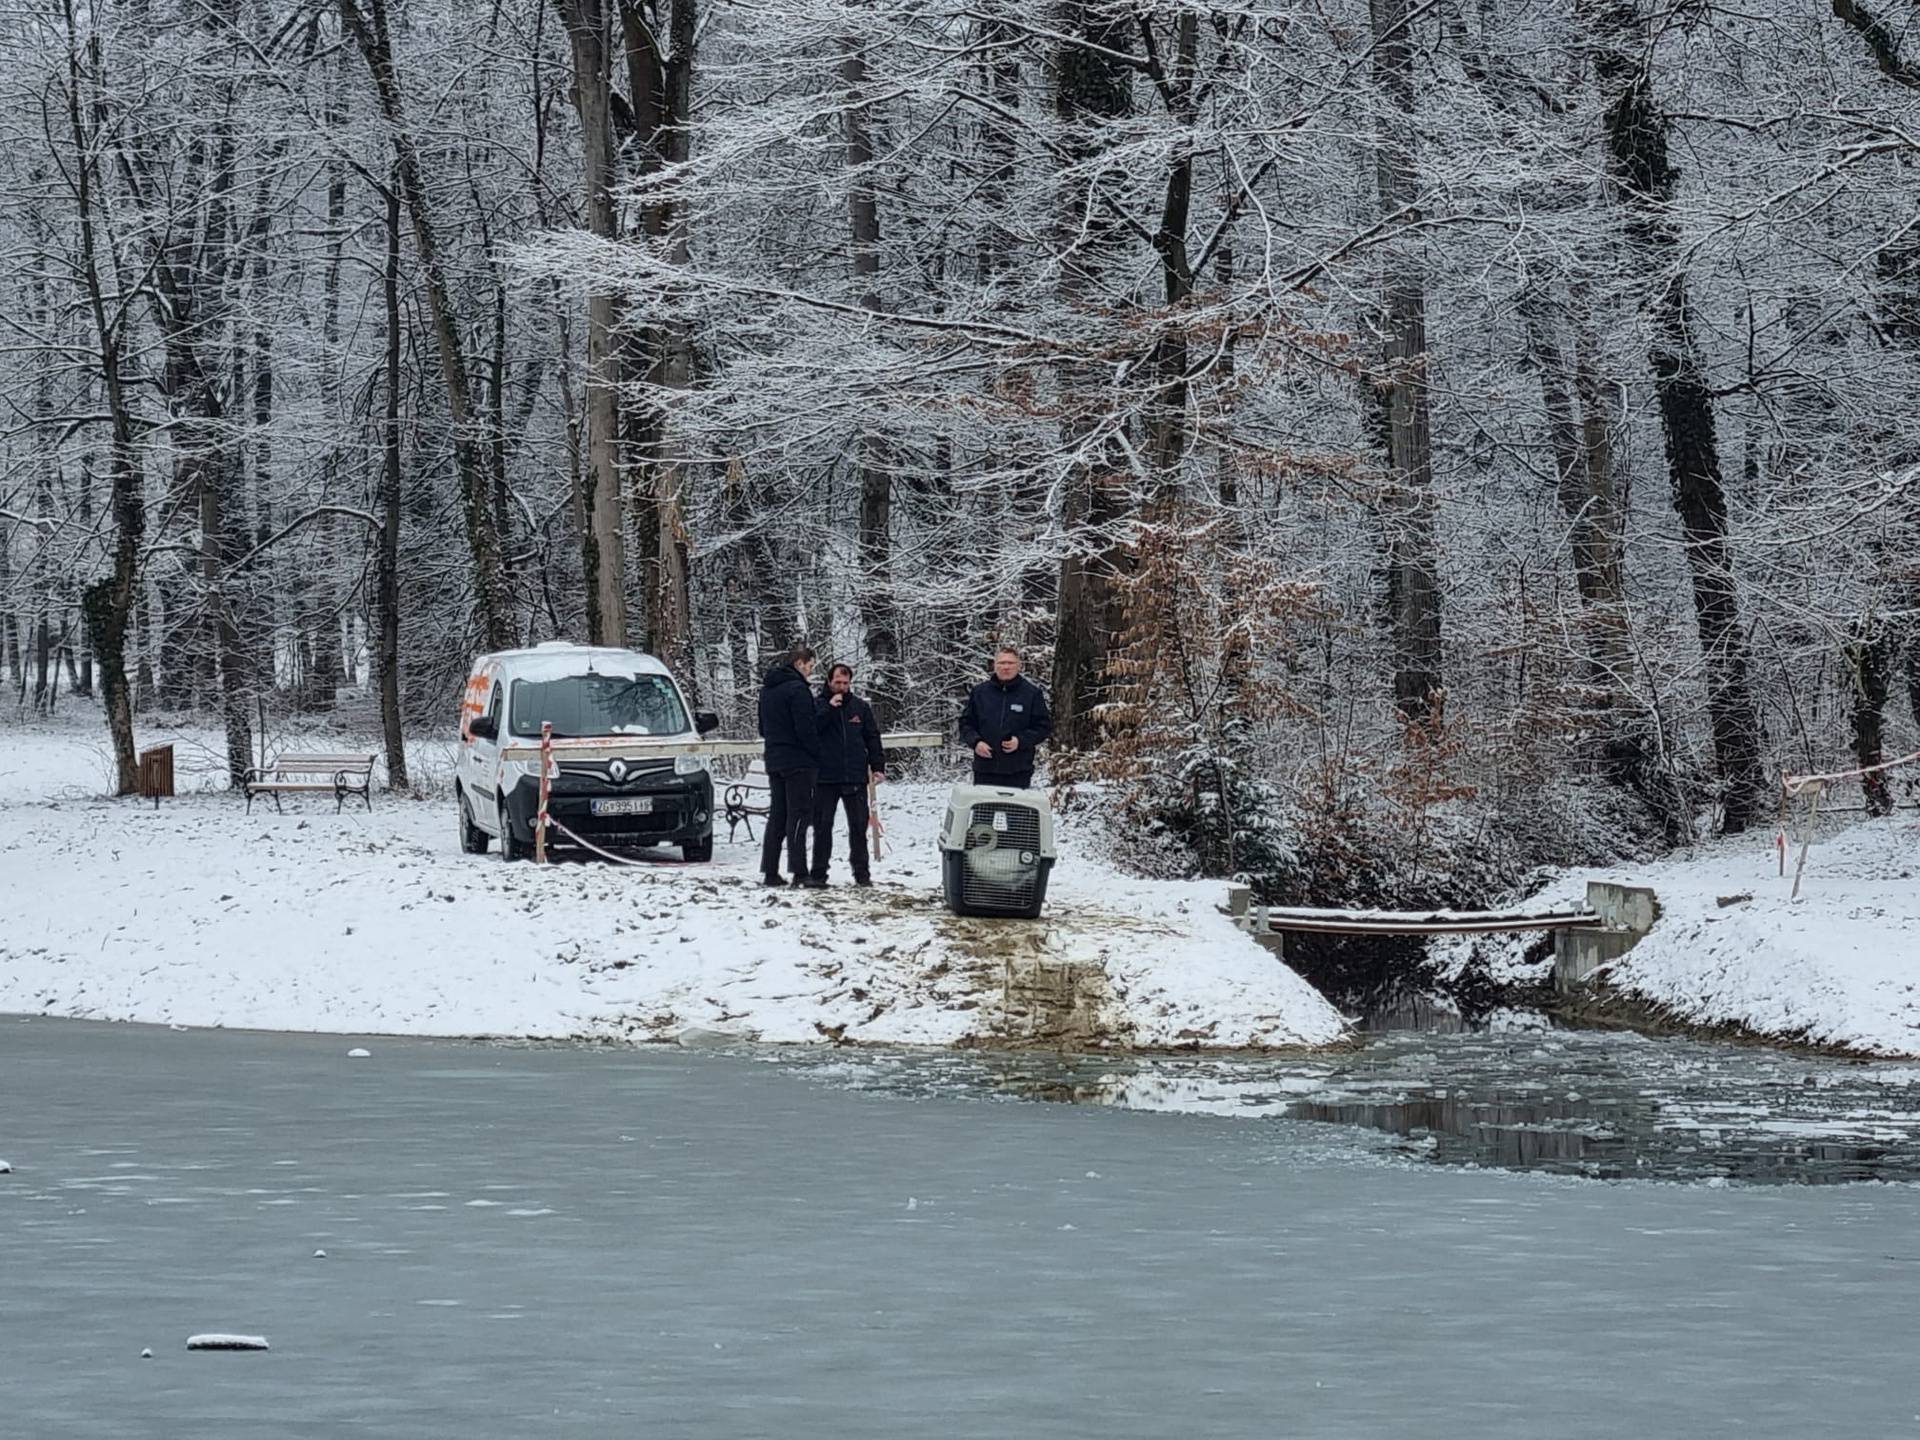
389	560
1582	458
191	284
1407	509
662	80
42	661
9	624
603	542
483	538
174	690
740	591
214	460
495	426
46	463
236	672
108	603
1913	673
1094	87
1167	420
1646	183
142	629
1869	659
879	612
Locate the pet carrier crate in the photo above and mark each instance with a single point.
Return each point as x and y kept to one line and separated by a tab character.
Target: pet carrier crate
996	850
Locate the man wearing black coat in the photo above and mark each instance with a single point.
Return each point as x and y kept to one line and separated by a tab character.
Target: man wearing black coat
792	733
1005	721
849	749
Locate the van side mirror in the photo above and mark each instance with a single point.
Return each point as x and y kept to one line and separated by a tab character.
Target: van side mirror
481	727
705	721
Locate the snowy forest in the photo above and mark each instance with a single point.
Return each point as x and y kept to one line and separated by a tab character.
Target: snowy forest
1405	437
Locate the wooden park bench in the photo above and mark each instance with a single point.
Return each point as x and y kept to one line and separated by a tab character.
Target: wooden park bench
317	774
747	797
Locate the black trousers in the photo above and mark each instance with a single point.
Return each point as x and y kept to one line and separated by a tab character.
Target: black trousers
789	817
827	800
1021	780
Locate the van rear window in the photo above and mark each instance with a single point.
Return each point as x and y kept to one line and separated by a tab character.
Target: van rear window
588	705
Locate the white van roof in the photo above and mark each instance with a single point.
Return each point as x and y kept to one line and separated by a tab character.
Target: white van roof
557	659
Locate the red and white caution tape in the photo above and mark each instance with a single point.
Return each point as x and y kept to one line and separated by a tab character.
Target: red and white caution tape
1793	786
608	854
546	782
1796	784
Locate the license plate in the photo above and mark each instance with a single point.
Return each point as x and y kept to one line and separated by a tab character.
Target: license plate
637	805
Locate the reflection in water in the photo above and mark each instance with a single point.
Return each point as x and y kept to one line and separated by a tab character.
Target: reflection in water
1611	1140
1516	1136
1411	1010
1511	1094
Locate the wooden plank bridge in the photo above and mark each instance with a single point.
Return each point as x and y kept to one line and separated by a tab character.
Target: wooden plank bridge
1267	918
1612	921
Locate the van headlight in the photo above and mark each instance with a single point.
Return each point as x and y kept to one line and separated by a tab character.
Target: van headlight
689	764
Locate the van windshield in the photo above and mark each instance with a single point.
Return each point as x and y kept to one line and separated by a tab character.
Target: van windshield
587	705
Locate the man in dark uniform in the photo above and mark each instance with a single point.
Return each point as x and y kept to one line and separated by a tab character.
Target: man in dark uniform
1005	721
792	733
849	749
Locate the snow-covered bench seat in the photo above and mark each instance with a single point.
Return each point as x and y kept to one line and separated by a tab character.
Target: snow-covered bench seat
313	774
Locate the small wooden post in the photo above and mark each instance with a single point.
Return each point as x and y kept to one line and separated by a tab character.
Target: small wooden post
1780	835
1806	843
546	771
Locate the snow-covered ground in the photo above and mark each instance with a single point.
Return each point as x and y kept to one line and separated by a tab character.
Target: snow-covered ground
1839	966
197	913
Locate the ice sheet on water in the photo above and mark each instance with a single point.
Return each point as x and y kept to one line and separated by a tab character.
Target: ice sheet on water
1581	1103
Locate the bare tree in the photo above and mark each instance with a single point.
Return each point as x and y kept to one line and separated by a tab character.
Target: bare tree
879	616
1647	182
370	32
1094	86
1405	415
590	30
108	602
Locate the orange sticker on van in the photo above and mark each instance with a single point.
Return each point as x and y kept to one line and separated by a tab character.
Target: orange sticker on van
473	701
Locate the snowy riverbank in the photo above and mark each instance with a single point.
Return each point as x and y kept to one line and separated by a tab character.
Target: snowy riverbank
197	913
1839	967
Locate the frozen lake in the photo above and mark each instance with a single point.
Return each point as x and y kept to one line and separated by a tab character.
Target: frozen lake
555	1241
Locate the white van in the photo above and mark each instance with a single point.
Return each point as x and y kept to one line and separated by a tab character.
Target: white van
605	787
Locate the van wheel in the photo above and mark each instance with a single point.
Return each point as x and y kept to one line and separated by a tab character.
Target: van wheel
511	849
698	851
473	839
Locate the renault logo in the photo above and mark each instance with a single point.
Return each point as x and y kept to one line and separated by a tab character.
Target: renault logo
618	770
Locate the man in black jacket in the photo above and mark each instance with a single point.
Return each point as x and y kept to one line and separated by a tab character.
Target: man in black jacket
849	749
792	733
1005	721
